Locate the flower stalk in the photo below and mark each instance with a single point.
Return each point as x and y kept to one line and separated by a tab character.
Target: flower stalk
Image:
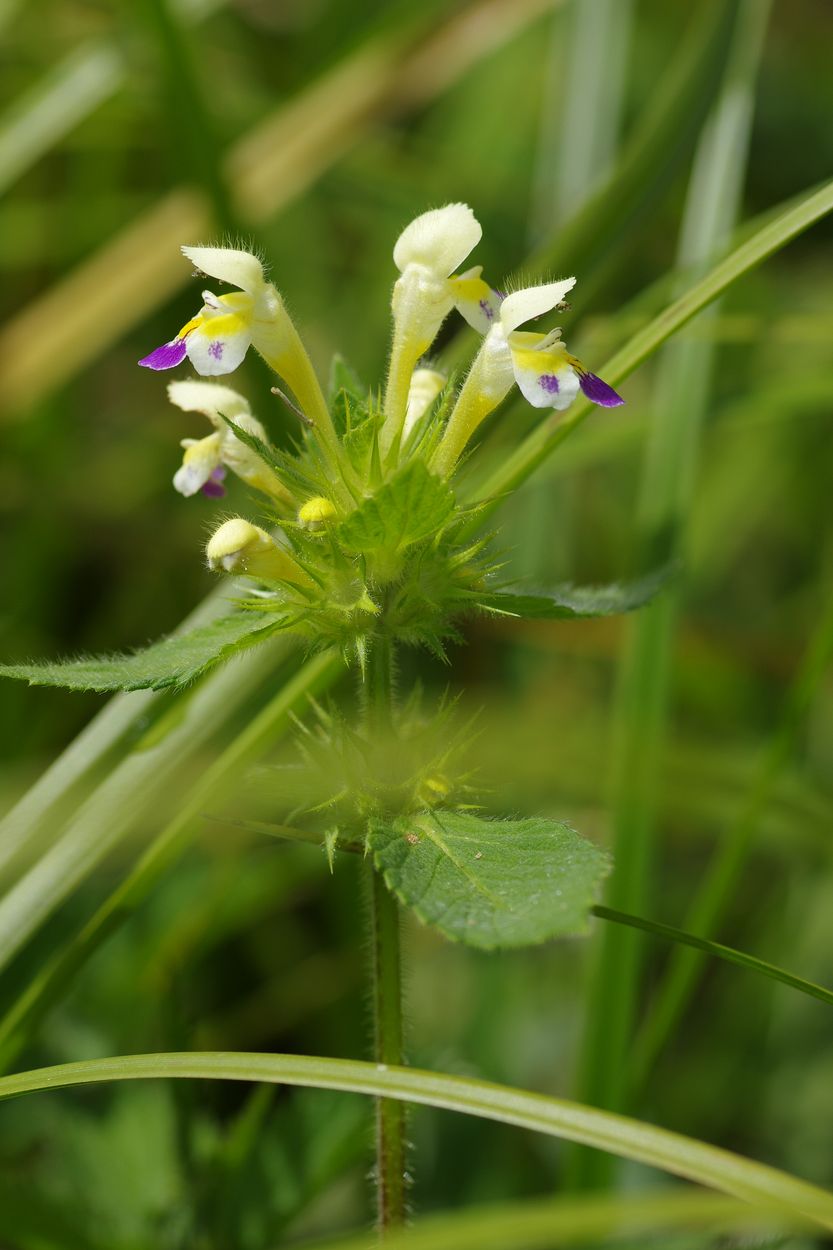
386	978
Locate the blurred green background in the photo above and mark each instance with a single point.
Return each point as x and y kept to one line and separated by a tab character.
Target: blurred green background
316	129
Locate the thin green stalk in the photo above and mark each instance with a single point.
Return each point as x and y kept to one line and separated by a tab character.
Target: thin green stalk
665	496
55	977
657	146
391	1164
718	950
710	903
386	977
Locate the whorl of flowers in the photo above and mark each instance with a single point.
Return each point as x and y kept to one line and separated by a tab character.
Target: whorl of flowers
362	535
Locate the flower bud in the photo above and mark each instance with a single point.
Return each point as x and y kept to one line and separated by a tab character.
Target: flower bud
433	789
240	547
316	512
426	385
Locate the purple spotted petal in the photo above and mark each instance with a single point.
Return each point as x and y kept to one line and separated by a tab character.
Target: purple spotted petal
167	356
214	487
598	392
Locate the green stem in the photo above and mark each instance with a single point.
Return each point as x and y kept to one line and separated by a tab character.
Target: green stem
387	1051
386	977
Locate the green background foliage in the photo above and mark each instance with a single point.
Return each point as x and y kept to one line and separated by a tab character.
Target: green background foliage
120	125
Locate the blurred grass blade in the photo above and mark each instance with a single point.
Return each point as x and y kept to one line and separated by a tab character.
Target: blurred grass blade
728	953
549	434
593	100
667	484
39	120
69	93
24	830
536	1225
582	108
650	158
653	154
129	794
677	985
718	1169
186	121
132	274
55	978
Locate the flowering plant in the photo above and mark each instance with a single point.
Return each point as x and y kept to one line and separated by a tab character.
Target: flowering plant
362	544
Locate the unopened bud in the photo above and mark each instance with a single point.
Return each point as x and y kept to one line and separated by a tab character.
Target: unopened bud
240	547
426	385
316	512
434	789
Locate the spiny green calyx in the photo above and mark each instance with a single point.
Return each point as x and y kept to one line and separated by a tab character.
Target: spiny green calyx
376	547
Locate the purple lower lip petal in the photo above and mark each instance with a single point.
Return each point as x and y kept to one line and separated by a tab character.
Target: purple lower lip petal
598	392
214	487
549	383
168	356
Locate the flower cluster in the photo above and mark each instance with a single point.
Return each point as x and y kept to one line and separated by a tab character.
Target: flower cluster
362	533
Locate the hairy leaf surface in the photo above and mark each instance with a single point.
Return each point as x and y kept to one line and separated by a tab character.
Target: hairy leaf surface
413	506
566	601
173	661
491	883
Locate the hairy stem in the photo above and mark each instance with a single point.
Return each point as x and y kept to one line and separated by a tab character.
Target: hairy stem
387	1027
386	977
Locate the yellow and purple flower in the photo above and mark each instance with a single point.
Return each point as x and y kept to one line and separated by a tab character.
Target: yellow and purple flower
547	375
206	460
218	337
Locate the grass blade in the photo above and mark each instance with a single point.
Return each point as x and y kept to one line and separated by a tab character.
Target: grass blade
24	829
666	489
52	980
69	93
536	1225
593	100
732	956
186	121
129	793
632	1139
710	903
652	155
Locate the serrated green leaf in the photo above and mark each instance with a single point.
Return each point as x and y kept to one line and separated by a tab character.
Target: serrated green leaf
173	661
351	419
414	505
491	883
360	435
569	601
